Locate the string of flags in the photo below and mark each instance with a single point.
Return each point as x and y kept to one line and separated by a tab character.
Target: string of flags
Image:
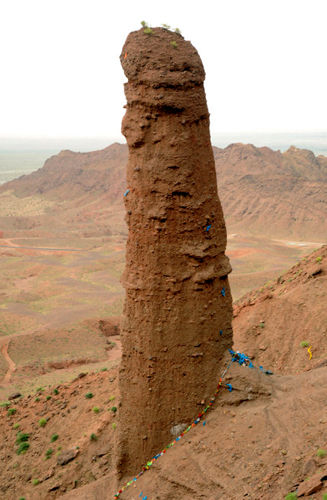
243	360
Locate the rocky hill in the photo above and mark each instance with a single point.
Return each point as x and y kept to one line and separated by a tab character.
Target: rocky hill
263	192
278	323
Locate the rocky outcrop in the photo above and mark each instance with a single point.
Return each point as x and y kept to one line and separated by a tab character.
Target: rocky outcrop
178	307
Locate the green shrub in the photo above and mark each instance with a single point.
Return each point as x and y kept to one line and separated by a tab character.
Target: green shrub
173	44
55	391
93	437
318	259
261	324
111	398
114	409
4	404
324	496
144	24
114	425
321	453
16	425
11	411
48	397
22	437
36	400
291	496
35	482
178	31
89	395
96	409
104	369
42	422
48	453
21	498
22	448
40	389
148	31
54	438
304	343
166	26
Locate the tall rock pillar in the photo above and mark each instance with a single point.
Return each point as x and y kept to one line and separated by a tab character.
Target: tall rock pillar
178	306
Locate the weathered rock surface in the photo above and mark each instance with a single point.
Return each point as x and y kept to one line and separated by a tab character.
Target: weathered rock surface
178	306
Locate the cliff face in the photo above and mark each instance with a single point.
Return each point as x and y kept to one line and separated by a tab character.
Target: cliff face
178	307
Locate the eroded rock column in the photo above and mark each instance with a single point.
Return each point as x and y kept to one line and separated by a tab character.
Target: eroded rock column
178	307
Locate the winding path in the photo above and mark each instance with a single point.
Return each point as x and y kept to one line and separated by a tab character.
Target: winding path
11	364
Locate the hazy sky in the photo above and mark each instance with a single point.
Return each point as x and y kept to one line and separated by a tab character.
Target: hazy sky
265	62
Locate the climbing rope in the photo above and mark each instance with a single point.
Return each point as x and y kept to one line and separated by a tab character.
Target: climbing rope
238	357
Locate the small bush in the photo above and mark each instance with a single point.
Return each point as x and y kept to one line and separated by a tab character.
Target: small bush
54	438
148	31
40	389
48	397
166	26
104	369
89	395
22	448
261	324
22	437
48	453
114	425
321	453
21	498
93	437
42	422
304	343
144	24
114	409
35	482
96	409
173	44
291	496
178	31
111	398
11	411
4	404
16	426
55	391
37	400
318	259
324	497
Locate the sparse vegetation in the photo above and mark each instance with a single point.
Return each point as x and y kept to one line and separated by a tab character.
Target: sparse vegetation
148	31
11	411
48	453
114	425
318	259
93	437
304	343
321	453
291	496
35	482
55	391
54	438
144	24
40	389
166	26
113	409
89	395
178	31
16	425
22	437
22	448
173	44
4	404
96	409
37	400
261	324
42	422
111	398
48	397
104	369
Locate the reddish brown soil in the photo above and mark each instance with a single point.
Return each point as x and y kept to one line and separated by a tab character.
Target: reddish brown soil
177	292
271	323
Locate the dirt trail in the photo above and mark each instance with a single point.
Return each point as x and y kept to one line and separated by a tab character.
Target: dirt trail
11	364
